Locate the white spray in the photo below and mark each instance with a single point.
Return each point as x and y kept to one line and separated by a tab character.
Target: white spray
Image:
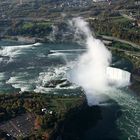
90	72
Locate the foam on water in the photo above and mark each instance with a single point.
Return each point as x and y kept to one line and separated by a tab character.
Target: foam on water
56	54
53	73
29	75
2	76
129	121
40	89
1	59
70	50
25	80
21	81
13	51
37	44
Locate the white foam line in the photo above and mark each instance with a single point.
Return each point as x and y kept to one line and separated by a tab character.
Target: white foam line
12	51
56	54
2	76
71	50
40	89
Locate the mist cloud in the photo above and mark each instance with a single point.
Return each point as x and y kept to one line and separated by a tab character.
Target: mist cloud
90	71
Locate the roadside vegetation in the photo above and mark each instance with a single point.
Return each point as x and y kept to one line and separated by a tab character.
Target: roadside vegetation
117	26
123	46
34	29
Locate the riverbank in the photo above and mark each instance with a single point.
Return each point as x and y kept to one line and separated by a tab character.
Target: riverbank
22	39
29	39
133	56
47	117
127	54
62	124
135	86
42	112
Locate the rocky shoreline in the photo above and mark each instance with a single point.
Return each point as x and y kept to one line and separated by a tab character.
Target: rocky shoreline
135	78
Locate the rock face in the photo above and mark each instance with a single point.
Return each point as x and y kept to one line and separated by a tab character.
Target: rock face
55	83
136	75
77	121
136	81
65	84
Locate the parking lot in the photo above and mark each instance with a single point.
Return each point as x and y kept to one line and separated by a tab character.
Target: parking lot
19	126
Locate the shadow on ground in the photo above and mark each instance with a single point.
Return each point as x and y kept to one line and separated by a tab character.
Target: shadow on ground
90	123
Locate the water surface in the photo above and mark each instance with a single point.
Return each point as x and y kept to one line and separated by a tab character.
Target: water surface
31	67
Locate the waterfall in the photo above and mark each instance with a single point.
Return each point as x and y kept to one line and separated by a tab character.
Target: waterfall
118	76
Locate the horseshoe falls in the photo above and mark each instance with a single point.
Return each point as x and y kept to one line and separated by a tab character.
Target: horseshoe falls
118	77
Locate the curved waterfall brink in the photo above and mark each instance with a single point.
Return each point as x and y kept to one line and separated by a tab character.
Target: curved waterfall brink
118	76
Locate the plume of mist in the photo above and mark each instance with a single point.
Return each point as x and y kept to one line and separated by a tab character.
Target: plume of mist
52	35
90	71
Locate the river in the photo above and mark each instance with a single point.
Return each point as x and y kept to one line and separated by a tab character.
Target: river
32	67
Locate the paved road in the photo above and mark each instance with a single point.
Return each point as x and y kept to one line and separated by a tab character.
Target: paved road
126	51
127	16
121	40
